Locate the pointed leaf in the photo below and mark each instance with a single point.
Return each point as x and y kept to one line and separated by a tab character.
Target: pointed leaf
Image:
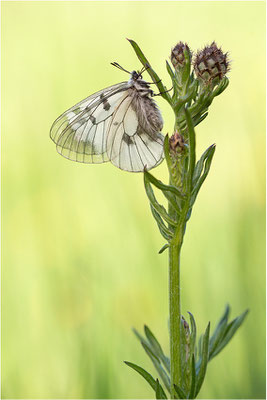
221	87
184	348
199	118
200	342
219	333
181	394
200	164
156	362
158	207
164	248
139	336
160	394
154	358
166	147
204	360
166	233
203	176
163	187
173	78
170	71
151	72
230	331
193	333
193	378
182	100
143	373
157	348
153	355
192	143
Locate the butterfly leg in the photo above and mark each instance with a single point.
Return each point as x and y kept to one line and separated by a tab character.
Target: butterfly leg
160	93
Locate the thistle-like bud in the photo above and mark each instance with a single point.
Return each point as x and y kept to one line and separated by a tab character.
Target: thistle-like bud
211	64
177	152
177	54
177	143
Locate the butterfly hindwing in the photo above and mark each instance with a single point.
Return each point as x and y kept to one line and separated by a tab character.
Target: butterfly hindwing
129	147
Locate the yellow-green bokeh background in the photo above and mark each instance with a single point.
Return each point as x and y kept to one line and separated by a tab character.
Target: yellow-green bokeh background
80	263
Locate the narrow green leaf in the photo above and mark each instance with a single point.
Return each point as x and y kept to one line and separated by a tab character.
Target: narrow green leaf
193	334
230	331
181	394
156	362
153	355
166	246
170	71
139	336
199	118
143	373
158	207
166	147
150	352
207	96
185	100
200	342
143	340
160	394
219	332
200	164
173	78
203	176
151	72
184	349
157	348
192	144
166	233
193	378
204	360
164	188
221	87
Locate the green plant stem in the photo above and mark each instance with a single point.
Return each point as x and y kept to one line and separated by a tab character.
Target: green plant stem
175	316
174	267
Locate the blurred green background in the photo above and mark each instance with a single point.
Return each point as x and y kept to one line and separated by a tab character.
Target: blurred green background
80	264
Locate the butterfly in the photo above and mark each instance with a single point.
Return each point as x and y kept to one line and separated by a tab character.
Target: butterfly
120	124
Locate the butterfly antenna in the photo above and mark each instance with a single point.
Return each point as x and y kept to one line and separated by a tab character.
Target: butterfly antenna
115	64
143	70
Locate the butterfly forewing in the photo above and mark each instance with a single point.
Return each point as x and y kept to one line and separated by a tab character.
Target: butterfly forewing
80	132
112	125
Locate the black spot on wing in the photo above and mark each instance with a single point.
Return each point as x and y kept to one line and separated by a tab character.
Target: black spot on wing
92	119
106	105
105	102
127	139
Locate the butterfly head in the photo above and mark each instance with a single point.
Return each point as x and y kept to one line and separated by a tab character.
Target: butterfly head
135	75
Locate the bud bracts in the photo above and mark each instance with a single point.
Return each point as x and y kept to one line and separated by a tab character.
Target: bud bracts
211	64
177	143
177	54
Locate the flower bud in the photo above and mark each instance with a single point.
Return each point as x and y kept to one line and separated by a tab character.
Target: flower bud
187	338
211	64
177	143
177	55
177	151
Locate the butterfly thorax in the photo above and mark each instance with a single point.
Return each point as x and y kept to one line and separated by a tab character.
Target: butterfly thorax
148	114
137	83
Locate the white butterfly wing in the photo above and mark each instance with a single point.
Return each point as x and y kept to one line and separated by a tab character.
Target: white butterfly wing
129	147
80	132
105	127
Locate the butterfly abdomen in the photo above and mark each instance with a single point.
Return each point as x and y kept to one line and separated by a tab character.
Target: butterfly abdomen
149	116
